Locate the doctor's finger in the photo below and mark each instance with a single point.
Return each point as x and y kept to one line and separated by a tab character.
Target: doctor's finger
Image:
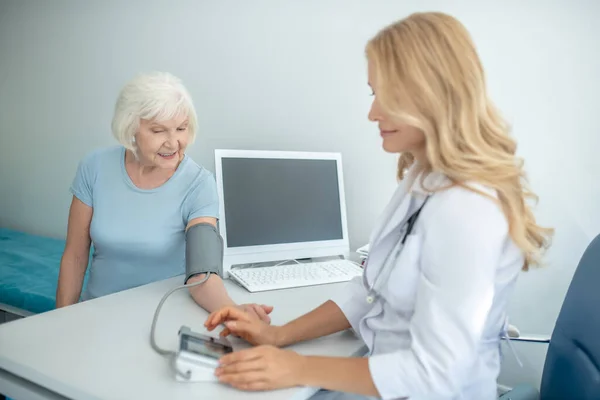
217	317
252	311
225	332
253	386
210	320
225	314
257	364
268	309
244	377
262	315
247	330
214	317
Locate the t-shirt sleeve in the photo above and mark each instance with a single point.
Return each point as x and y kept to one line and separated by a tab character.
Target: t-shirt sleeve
82	186
203	200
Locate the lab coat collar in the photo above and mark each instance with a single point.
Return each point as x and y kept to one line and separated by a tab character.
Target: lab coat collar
409	196
433	181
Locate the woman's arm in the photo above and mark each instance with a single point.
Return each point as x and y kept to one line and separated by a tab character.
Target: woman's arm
343	312
339	374
76	254
212	295
330	317
324	320
268	368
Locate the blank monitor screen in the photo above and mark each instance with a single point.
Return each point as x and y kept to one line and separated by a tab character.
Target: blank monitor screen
272	201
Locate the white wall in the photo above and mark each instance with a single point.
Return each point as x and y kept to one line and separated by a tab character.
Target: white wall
291	75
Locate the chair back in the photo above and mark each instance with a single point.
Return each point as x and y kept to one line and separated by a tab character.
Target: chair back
572	366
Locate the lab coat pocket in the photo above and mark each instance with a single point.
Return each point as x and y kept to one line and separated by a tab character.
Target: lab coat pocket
401	287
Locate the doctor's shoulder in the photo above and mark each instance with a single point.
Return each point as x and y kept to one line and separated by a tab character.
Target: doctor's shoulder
470	204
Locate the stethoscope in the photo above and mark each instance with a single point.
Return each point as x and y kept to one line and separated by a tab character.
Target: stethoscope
386	267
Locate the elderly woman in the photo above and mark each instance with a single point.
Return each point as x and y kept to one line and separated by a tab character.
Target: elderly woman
135	202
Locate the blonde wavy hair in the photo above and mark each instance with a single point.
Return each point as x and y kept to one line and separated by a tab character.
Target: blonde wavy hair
429	76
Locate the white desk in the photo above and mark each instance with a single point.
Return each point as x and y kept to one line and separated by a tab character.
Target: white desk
100	349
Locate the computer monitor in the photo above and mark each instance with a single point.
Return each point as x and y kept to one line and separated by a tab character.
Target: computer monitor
280	205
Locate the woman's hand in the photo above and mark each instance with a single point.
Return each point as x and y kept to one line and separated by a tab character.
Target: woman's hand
259	311
261	368
242	324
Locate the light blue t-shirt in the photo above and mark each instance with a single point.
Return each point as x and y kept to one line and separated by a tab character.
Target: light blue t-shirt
138	235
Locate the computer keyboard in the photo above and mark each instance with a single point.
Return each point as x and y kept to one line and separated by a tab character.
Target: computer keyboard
295	275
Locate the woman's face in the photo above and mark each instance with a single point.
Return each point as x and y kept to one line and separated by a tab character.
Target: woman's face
397	137
162	144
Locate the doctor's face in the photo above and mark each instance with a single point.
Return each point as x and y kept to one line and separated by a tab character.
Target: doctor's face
398	137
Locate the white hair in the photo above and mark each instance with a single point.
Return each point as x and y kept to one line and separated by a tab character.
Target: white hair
156	96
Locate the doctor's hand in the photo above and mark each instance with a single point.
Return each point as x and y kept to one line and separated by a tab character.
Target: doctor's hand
261	368
259	311
242	324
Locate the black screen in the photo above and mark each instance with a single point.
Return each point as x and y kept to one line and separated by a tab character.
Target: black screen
275	201
206	347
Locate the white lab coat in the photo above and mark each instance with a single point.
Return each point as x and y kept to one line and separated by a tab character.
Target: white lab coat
434	332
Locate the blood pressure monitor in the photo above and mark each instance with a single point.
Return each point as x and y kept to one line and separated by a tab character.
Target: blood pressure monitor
198	356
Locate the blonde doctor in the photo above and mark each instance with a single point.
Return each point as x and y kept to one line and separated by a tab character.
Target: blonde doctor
445	254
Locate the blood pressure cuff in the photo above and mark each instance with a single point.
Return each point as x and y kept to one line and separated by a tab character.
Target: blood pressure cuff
203	251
